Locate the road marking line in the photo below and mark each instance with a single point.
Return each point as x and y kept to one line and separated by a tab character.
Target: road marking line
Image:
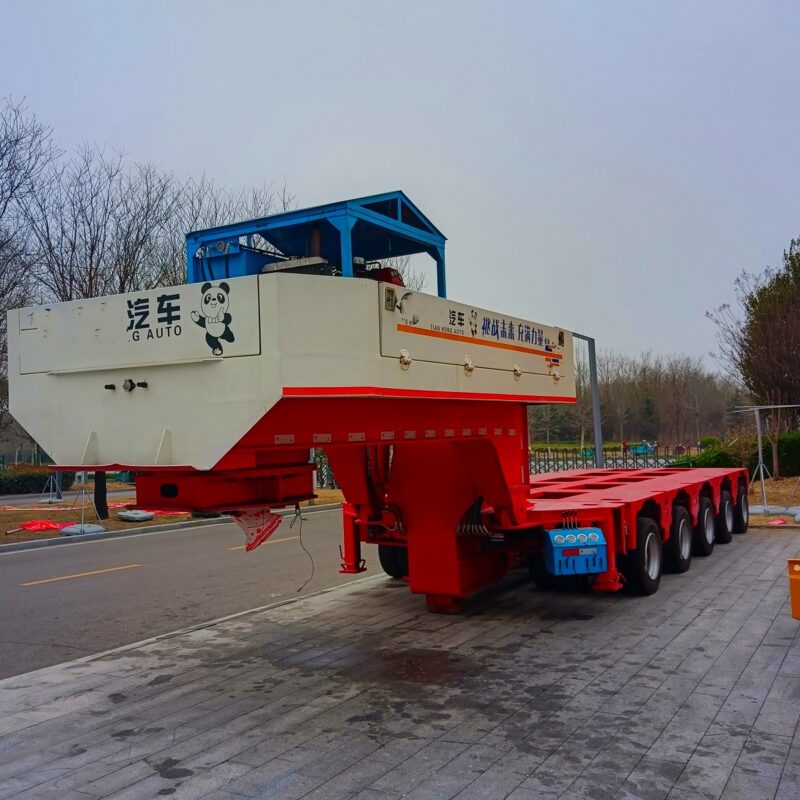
269	541
80	575
112	539
341	588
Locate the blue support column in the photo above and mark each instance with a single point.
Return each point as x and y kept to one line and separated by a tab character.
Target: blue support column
345	226
191	249
441	282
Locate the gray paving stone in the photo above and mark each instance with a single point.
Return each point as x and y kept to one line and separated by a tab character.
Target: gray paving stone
651	779
692	693
748	785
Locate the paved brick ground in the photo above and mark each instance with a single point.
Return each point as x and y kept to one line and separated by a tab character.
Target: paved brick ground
691	694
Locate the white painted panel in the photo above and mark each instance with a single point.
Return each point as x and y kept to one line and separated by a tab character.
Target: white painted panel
161	326
291	332
439	330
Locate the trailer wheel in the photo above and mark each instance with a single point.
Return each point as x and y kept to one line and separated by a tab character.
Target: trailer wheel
644	565
678	549
394	560
724	532
741	514
704	533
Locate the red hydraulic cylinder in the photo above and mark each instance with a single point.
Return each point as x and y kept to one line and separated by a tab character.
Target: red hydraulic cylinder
350	551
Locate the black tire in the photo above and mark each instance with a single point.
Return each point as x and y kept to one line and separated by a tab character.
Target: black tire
724	530
704	532
644	565
741	512
394	560
539	575
678	548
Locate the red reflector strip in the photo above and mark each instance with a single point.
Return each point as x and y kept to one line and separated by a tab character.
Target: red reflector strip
574	551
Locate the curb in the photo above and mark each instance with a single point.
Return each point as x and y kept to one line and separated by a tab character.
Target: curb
36	544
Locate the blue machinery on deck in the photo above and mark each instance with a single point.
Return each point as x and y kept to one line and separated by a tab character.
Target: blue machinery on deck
342	237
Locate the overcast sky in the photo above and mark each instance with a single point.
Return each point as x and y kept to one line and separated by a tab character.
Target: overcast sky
605	166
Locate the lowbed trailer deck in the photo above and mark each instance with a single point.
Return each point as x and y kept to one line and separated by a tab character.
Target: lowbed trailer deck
615	500
216	392
638	522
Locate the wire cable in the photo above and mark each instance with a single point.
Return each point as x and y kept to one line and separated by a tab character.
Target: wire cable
300	517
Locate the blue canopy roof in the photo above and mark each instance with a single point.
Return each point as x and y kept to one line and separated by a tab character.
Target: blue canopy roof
374	228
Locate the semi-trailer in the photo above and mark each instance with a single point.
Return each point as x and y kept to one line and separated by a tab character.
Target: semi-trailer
290	335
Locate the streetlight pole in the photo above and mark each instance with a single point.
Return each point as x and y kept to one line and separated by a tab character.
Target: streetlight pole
599	459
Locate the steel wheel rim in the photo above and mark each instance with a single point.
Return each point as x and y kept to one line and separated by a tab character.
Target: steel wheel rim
708	523
685	540
745	506
729	515
652	556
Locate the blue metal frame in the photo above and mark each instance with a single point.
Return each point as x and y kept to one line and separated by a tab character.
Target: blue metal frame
376	227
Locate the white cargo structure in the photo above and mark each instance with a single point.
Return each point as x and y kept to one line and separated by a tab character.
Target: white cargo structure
131	380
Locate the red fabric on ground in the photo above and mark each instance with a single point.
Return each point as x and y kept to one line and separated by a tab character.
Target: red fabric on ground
44	525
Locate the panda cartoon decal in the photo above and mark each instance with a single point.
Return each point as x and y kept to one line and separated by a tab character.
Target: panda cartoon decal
214	316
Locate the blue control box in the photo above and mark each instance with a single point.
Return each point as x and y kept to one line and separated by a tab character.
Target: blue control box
575	551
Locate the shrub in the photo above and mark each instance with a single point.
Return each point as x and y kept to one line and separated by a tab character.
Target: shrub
711	457
30	479
709	441
788	454
740	452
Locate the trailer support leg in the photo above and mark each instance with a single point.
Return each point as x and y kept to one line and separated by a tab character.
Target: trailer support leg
350	552
608	581
611	579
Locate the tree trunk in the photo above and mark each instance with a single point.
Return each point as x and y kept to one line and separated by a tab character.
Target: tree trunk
100	495
777	420
776	470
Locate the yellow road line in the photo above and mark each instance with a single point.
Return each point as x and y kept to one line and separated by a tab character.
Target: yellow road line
269	541
80	575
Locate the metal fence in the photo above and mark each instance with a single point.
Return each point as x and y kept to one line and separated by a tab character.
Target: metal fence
325	479
615	458
558	460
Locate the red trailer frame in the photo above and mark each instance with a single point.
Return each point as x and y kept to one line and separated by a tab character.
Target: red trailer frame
443	487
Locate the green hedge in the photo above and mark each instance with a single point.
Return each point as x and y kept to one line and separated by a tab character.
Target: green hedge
788	456
711	457
30	481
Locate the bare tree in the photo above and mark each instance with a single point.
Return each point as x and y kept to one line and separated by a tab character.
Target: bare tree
26	151
71	220
148	201
616	376
203	204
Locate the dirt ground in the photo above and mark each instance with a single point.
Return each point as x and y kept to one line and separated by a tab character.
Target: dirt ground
11	517
785	492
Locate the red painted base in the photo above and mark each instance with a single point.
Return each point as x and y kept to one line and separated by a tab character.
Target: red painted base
444	604
608	582
445	479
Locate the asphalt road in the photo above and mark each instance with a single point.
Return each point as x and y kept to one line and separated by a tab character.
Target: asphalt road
60	603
